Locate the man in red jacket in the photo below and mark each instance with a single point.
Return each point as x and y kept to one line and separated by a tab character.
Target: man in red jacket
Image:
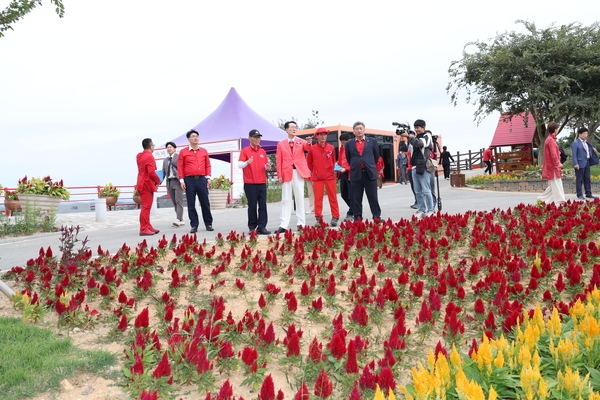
147	184
194	175
321	162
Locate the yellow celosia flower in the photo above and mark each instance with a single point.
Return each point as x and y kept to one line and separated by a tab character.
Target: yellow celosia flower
590	330
594	296
577	310
468	390
535	360
484	355
566	350
431	360
499	360
554	326
423	382
594	396
406	393
530	380
492	395
543	389
571	382
524	356
538	319
378	394
391	395
442	372
455	358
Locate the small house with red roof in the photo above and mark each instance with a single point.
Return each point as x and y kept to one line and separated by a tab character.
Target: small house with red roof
513	143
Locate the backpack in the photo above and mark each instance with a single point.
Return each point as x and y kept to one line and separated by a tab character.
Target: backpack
563	155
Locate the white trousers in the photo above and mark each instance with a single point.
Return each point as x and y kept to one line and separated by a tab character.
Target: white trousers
297	186
554	192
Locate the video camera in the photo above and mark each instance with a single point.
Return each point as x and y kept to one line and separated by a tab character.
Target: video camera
402	129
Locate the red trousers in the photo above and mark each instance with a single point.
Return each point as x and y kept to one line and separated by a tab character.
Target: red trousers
147	200
318	187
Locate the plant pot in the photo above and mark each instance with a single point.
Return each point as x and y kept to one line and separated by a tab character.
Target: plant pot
137	199
45	204
457	180
218	199
11	206
111	201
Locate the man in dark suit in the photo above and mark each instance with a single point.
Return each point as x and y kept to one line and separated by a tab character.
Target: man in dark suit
362	154
581	153
171	177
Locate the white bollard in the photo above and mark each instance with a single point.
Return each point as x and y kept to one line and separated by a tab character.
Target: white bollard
101	209
6	290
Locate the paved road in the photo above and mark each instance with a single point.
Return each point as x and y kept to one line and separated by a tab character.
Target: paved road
123	227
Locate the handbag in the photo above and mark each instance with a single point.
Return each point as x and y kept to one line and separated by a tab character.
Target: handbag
593	156
431	164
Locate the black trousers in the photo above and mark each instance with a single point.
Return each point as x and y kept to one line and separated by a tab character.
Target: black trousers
582	178
365	185
489	167
446	170
256	193
346	191
197	187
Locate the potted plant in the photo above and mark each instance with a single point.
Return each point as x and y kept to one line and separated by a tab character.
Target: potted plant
11	202
219	192
41	193
136	197
111	193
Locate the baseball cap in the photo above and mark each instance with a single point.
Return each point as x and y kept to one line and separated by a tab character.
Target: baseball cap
254	133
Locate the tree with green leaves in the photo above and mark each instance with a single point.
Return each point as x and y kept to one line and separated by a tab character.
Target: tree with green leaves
552	74
310	123
17	9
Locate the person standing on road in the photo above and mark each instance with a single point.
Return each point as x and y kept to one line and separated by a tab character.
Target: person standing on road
194	176
488	159
446	157
583	153
321	162
422	146
362	154
552	168
255	164
171	177
147	184
402	165
292	170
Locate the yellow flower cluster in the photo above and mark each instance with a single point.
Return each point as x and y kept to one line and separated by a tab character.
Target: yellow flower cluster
548	358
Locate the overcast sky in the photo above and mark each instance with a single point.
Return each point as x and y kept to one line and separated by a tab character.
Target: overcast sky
78	94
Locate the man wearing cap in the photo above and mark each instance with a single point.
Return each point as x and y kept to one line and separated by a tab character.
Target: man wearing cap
362	154
255	164
171	178
292	170
193	167
321	162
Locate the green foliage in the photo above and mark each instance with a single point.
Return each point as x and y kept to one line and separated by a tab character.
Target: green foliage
17	9
27	223
311	122
221	182
552	73
33	360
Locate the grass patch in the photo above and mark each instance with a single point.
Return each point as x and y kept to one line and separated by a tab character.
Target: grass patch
34	360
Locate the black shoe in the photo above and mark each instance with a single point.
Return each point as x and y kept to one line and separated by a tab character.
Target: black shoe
415	206
280	230
580	197
591	197
194	229
209	228
263	231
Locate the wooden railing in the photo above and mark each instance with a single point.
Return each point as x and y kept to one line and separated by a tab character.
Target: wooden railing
468	161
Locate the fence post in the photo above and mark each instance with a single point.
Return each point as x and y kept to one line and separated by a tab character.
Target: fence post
101	209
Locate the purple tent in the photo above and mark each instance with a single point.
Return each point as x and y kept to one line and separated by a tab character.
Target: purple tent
232	120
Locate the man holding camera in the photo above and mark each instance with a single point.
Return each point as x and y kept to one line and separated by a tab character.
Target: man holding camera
422	146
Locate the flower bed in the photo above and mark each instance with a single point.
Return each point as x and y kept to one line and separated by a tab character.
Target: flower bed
333	313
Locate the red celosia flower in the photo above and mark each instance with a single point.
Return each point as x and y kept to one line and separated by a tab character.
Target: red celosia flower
138	366
146	395
293	345
386	379
315	351
226	391
104	290
141	321
226	350
163	368
302	393
360	315
337	346
262	303
479	306
323	385
249	355
267	390
292	302
123	323
351	362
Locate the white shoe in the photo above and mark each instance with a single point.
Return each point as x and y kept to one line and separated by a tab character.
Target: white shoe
178	223
419	214
429	213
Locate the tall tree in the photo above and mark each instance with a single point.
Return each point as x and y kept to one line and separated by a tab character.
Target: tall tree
552	74
17	9
311	122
